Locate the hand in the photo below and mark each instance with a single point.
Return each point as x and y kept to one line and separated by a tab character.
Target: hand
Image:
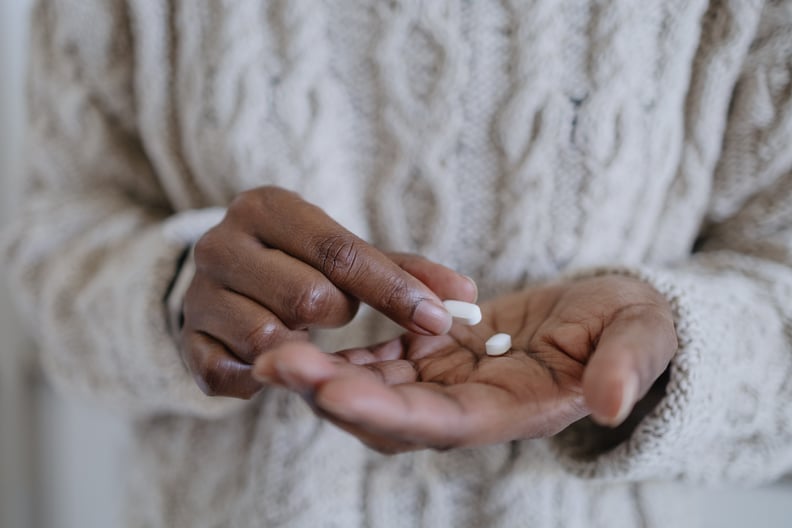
277	266
588	346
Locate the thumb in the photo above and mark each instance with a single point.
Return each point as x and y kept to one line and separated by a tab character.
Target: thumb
633	351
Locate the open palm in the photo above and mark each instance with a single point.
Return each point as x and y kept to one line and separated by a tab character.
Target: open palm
444	391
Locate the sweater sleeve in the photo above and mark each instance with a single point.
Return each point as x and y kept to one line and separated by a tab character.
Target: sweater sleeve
95	244
725	406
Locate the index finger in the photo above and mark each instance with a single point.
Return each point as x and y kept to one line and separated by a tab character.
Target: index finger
287	222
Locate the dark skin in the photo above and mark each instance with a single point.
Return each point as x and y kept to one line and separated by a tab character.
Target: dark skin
591	346
277	266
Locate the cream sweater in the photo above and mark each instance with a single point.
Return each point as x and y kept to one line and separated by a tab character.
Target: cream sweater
512	140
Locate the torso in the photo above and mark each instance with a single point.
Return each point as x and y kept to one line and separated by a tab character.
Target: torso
510	141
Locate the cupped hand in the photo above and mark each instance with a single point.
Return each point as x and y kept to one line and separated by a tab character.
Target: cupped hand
590	346
277	266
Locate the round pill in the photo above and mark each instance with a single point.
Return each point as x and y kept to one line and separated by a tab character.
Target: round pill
464	312
498	344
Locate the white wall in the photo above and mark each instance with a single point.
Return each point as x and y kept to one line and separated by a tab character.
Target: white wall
16	457
61	462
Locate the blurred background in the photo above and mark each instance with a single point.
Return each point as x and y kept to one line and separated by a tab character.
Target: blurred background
62	461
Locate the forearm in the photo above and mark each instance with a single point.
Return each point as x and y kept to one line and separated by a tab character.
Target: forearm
91	273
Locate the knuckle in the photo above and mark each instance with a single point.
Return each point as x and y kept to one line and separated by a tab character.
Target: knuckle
214	377
260	205
257	199
311	304
245	201
225	382
215	373
208	250
395	292
262	337
338	255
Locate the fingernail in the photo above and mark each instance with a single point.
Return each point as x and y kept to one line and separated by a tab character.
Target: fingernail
629	395
475	287
432	317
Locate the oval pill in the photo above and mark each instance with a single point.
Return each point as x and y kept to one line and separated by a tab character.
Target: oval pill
464	312
498	344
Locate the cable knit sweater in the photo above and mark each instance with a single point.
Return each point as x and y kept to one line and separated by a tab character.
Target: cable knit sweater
513	140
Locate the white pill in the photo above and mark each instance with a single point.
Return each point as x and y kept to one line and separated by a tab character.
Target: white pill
498	344
465	313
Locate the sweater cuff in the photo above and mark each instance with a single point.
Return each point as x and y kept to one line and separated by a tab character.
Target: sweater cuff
186	229
656	439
